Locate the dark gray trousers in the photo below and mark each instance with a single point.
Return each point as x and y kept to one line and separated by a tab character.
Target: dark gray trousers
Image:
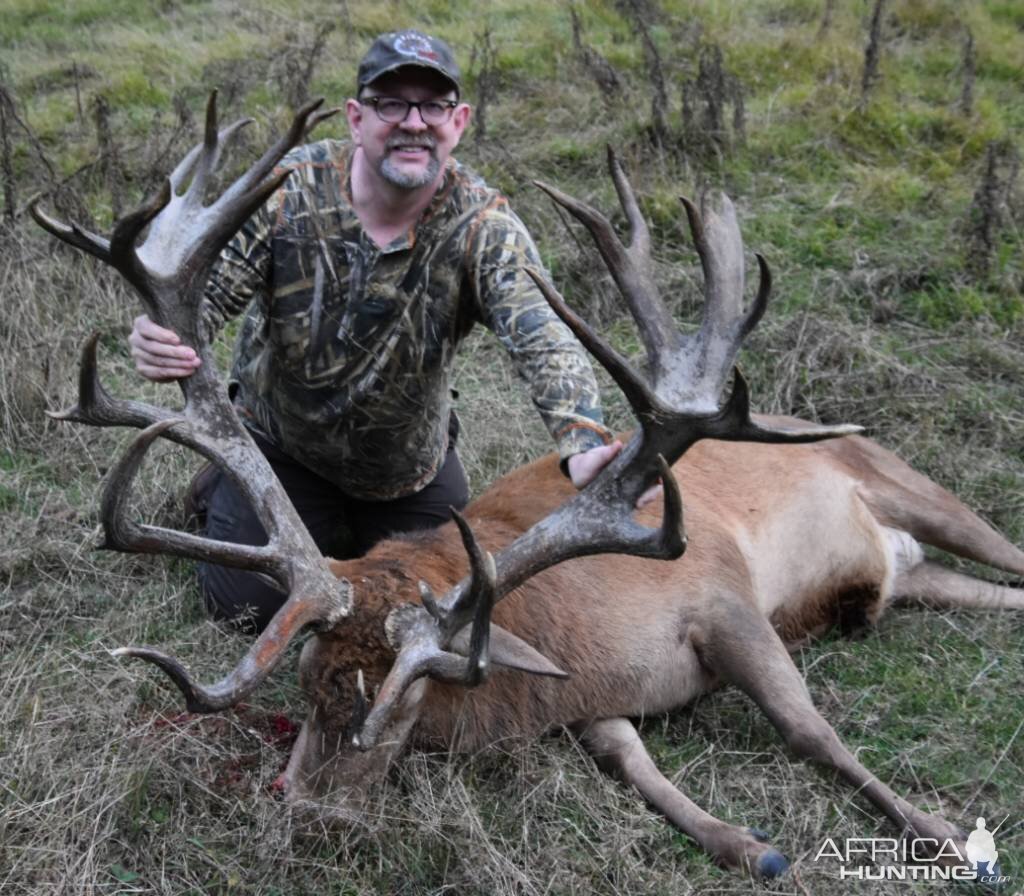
342	527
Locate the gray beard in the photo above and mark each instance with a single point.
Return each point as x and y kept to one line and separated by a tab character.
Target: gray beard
408	180
394	175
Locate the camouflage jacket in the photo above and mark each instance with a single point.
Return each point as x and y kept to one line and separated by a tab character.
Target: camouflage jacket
344	358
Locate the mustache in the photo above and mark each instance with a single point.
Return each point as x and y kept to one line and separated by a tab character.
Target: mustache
424	139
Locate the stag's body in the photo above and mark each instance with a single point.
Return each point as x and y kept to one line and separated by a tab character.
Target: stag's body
785	542
803	535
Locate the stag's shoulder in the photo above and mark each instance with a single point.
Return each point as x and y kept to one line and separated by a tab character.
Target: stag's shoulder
524	495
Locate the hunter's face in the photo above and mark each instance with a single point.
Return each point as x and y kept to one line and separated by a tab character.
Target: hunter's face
411	152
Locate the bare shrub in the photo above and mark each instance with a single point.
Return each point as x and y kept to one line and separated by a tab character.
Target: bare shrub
10	122
169	140
990	208
968	67
294	61
872	52
7	157
641	15
608	80
482	61
706	97
826	18
109	155
233	77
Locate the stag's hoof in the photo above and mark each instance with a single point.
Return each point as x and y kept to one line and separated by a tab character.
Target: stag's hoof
771	864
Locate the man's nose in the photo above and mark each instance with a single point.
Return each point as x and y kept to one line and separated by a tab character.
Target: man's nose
413	120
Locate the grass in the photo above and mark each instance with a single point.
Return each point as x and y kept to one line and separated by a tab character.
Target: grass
107	788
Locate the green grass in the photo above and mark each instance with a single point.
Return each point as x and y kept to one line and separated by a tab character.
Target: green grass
861	212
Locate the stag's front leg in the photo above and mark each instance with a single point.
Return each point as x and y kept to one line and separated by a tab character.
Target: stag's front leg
618	749
740	645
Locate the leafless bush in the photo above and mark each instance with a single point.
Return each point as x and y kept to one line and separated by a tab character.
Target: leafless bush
989	212
169	140
705	101
826	18
482	61
7	157
608	80
872	52
968	66
232	77
641	14
109	155
294	61
10	123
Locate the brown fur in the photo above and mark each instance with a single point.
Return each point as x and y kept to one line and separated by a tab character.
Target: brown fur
791	538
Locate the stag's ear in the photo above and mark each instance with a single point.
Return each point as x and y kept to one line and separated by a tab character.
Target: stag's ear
511	652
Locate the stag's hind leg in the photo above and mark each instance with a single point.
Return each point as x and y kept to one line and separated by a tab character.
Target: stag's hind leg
741	646
618	749
935	585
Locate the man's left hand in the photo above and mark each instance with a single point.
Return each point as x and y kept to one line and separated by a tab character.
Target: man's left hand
585	466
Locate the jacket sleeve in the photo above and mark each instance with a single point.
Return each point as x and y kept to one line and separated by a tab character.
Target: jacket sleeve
243	270
544	351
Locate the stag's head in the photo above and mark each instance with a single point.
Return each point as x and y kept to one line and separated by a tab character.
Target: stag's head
380	634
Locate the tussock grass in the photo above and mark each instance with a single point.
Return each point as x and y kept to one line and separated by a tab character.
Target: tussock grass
107	788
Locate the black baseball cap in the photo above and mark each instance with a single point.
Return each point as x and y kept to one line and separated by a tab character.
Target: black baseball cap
404	49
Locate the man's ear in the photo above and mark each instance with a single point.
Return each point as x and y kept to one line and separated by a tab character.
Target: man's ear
460	118
354	114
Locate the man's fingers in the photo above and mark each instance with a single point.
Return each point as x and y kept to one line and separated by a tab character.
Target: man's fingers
162	374
148	349
151	331
584	467
158	352
652	494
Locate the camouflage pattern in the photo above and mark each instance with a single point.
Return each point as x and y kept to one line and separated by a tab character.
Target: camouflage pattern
345	355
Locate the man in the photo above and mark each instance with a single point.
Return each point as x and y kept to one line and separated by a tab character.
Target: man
362	275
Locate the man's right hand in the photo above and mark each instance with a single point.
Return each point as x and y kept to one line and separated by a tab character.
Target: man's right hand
158	352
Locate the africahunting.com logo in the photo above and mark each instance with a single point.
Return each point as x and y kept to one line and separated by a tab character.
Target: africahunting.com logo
919	858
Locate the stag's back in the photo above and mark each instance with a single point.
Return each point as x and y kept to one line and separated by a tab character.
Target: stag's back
782	527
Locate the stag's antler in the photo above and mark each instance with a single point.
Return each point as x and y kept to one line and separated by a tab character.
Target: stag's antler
676	404
169	269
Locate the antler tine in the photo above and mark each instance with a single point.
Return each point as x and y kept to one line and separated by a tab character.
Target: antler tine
95	404
209	153
481	566
633	386
640	234
735	423
185	166
72	234
122	534
479	599
257	663
716	237
629	266
304	120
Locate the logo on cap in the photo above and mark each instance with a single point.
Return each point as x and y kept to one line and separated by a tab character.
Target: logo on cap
417	45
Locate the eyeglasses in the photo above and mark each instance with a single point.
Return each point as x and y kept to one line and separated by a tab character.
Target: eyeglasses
393	110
